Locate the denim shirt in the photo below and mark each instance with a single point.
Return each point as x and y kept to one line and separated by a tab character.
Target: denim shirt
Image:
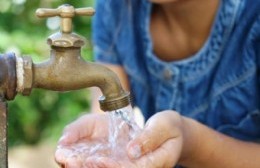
218	86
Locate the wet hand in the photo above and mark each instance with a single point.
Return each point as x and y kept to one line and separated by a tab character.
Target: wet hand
158	146
91	127
91	136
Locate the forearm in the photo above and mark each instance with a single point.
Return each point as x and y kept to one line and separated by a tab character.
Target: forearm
204	147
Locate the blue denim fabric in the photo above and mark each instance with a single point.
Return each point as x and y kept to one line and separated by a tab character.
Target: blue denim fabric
218	86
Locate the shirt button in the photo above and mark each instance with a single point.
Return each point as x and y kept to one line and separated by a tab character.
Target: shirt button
167	74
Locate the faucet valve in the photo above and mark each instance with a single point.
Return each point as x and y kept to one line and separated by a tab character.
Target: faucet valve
65	38
66	13
66	70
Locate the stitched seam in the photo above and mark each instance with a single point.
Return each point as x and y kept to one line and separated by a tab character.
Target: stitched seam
227	86
200	109
227	32
241	122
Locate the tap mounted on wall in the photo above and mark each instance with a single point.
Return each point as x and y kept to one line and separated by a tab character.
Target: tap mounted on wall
66	70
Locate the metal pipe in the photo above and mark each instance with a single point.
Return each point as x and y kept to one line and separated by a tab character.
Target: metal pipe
3	135
7	92
8	76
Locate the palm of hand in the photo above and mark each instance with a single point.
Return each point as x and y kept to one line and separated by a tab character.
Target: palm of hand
96	133
155	159
92	140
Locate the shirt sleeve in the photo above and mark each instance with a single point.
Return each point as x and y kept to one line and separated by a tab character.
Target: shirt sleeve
103	27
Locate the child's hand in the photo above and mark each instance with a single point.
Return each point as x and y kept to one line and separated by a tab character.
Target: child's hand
160	142
158	146
90	127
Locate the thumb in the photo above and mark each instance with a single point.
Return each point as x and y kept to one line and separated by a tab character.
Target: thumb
68	138
80	128
158	130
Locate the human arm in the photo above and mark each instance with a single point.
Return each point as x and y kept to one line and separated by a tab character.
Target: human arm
215	150
97	129
201	146
167	139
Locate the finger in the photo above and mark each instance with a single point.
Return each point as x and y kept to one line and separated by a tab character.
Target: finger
77	130
91	165
158	130
65	158
166	156
102	162
81	128
61	155
73	162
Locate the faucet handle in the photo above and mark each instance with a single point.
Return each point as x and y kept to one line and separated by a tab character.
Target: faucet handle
66	13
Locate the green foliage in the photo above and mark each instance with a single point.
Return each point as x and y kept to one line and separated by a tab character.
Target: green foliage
43	114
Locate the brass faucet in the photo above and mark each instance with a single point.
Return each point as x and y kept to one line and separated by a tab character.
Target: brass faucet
65	70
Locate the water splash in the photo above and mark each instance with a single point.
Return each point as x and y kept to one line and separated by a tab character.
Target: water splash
122	128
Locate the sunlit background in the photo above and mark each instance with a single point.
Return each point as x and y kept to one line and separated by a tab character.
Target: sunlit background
36	122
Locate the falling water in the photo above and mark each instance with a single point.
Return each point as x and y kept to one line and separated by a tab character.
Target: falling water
122	128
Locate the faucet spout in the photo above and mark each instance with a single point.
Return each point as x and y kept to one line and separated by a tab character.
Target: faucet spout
66	70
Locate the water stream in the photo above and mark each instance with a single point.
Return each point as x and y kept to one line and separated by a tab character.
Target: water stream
122	128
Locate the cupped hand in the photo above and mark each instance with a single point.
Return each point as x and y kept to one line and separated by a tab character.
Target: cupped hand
92	135
92	129
89	126
158	146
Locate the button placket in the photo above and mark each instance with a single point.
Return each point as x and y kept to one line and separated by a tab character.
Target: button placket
168	74
167	93
175	101
171	74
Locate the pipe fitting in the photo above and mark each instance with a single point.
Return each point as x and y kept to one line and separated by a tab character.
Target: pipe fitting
8	76
116	103
24	75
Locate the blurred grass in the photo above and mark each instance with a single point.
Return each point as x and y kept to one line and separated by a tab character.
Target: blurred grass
43	115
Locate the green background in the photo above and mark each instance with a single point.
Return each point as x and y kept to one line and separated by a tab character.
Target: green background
42	115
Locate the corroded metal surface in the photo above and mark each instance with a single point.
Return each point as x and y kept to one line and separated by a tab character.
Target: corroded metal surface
7	92
28	75
8	76
3	135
